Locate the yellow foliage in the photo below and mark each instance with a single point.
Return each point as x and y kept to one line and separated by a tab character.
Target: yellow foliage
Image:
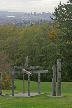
6	81
52	35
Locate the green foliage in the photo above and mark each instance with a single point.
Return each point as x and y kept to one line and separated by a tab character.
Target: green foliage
63	17
43	44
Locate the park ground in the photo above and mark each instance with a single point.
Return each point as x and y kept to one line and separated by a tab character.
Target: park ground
40	101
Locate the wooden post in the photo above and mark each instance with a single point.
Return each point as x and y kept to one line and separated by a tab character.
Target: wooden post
58	77
12	83
54	81
28	84
0	83
26	63
39	83
23	84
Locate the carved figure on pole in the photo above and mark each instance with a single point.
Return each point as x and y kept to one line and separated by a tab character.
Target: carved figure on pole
0	83
58	77
13	83
27	72
54	81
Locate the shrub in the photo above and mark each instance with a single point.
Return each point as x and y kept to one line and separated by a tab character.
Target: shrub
6	81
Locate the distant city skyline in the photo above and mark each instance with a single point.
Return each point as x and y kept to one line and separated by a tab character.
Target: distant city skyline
29	5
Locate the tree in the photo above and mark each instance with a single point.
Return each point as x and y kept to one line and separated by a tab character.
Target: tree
4	67
63	17
52	35
70	1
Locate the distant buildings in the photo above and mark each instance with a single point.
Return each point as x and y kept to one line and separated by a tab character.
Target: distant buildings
24	19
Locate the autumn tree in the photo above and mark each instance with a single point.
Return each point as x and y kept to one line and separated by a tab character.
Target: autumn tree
5	67
52	35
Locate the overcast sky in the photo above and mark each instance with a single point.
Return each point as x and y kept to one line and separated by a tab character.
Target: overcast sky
29	5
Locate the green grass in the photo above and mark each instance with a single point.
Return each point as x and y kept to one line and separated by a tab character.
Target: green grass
41	101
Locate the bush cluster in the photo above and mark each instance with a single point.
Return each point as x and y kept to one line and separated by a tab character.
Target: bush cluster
6	81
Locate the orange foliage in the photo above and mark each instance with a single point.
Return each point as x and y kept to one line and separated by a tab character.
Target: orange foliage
52	35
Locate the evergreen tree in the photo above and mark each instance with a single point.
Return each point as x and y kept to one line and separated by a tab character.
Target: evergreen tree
63	17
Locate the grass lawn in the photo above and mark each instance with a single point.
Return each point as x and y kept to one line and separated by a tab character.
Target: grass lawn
41	101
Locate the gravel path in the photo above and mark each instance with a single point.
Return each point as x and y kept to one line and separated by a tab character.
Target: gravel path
25	94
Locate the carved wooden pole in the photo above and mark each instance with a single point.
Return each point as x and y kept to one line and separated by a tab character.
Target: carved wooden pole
12	83
26	63
38	83
54	81
23	84
0	83
28	84
58	77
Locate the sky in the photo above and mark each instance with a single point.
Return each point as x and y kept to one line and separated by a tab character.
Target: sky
29	5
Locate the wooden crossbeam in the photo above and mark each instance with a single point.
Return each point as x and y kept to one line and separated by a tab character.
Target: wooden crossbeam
40	71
